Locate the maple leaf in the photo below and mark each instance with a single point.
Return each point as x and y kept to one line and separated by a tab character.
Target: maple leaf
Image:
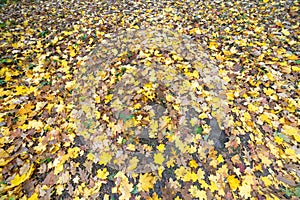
234	183
199	194
193	163
159	158
161	148
38	125
146	182
17	180
292	131
104	158
133	163
245	190
123	186
257	70
102	173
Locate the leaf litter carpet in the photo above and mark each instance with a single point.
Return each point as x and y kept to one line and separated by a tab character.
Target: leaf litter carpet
149	100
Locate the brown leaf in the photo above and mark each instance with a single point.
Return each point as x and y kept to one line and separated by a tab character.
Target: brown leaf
84	176
50	179
287	179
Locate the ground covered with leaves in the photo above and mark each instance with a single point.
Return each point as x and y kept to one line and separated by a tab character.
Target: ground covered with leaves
149	99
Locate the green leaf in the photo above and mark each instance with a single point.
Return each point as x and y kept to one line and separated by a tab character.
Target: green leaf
5	61
288	192
284	137
2	25
125	117
111	177
198	130
135	190
44	33
297	191
2	82
46	160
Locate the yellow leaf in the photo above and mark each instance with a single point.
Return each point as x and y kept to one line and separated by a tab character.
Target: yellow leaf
213	45
266	181
291	131
245	191
193	163
72	53
197	31
55	40
213	186
4	161
131	147
35	196
74	152
193	121
70	85
203	116
169	61
59	189
196	193
230	96
234	183
220	159
23	90
102	174
291	56
171	163
252	107
105	117
98	114
285	32
59	108
104	158
97	99
290	151
169	97
106	197
176	107
37	125
40	148
180	172
133	163
258	29
20	179
108	98
161	148
123	187
90	156
268	91
296	69
146	182
137	106
158	158
190	176
247	116
278	140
